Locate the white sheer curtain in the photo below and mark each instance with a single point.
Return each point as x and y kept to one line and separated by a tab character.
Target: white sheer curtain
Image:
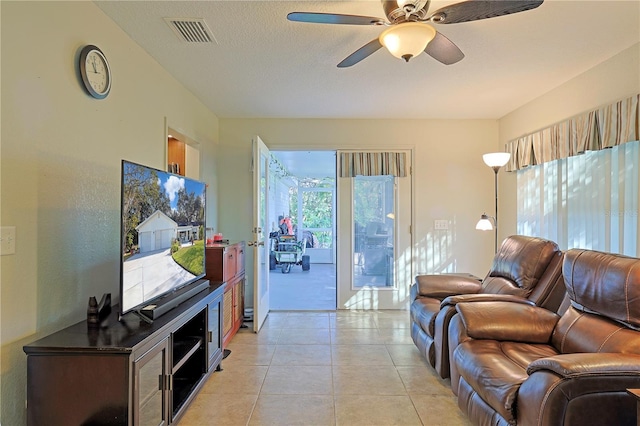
585	201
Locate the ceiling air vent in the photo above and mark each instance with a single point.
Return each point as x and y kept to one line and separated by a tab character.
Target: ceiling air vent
191	30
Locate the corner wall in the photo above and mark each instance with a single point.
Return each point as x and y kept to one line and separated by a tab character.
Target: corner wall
610	81
60	167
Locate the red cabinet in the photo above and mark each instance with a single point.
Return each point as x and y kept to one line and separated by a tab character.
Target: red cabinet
225	263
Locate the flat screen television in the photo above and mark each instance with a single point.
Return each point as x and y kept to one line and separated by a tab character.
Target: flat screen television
162	236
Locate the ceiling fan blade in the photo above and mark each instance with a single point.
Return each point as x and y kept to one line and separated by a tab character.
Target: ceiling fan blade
334	18
473	10
444	50
361	53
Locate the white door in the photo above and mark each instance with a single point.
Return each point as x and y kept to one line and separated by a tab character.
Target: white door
374	248
260	230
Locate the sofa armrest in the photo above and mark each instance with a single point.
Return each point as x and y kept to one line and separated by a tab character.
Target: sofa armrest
441	286
507	321
484	297
588	364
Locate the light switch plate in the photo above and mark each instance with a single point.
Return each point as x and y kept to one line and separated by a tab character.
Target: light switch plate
7	240
440	224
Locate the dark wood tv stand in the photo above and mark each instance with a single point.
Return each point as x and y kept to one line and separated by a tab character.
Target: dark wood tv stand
128	372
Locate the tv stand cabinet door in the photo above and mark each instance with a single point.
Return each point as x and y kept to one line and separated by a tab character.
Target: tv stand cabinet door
64	389
151	386
215	320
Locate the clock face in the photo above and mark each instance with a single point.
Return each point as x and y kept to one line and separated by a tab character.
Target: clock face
95	71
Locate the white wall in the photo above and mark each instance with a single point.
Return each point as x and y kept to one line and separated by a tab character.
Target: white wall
612	80
451	181
60	167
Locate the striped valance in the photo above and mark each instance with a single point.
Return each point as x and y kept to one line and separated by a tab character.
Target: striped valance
605	127
354	164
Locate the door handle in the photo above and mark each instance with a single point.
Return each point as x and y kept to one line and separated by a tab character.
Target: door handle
255	243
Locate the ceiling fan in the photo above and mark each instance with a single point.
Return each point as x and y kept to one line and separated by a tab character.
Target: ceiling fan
409	33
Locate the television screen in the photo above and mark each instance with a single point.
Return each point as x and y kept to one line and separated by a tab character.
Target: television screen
163	227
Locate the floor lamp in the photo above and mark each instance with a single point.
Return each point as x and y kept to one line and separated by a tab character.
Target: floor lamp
495	160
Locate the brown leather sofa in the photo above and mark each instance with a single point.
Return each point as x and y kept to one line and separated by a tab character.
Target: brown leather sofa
523	365
525	270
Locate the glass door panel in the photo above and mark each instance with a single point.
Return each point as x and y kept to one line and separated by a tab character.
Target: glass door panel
150	382
374	207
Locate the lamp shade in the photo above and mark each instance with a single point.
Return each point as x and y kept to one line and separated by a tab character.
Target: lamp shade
408	39
484	224
496	159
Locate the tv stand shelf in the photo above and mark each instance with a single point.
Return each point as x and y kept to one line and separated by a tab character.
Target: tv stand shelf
182	351
127	372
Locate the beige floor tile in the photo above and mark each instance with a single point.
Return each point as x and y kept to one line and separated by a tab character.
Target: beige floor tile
303	321
304	336
363	379
275	320
360	355
308	314
325	368
353	321
249	354
236	378
438	410
356	336
374	410
266	336
393	322
396	336
291	410
352	313
300	380
302	355
391	312
208	409
406	355
423	380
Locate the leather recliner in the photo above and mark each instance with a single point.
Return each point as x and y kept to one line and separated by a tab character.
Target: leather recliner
525	270
525	365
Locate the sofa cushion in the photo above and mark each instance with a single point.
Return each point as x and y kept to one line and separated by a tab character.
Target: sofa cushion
519	264
583	332
604	283
424	311
441	286
503	320
495	370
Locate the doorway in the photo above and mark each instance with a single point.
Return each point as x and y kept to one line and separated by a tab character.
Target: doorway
375	218
302	233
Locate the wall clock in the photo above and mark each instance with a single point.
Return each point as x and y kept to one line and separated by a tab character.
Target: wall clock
95	72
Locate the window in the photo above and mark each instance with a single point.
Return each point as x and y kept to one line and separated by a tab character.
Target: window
587	201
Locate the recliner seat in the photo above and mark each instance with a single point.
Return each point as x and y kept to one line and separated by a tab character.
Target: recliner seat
523	365
525	270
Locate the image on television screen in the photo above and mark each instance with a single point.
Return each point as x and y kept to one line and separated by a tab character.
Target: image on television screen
163	227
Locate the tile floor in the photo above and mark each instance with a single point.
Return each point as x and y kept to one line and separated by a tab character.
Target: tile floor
326	368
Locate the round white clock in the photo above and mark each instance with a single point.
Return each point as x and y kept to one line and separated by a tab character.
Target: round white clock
95	72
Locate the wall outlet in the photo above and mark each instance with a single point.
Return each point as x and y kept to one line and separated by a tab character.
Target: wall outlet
7	240
439	224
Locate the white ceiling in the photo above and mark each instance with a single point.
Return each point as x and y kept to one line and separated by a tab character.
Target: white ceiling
308	164
266	66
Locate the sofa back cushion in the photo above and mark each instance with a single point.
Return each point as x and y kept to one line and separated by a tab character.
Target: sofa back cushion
519	264
578	331
605	284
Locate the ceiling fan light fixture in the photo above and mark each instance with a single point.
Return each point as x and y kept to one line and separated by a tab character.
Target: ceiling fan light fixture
407	40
